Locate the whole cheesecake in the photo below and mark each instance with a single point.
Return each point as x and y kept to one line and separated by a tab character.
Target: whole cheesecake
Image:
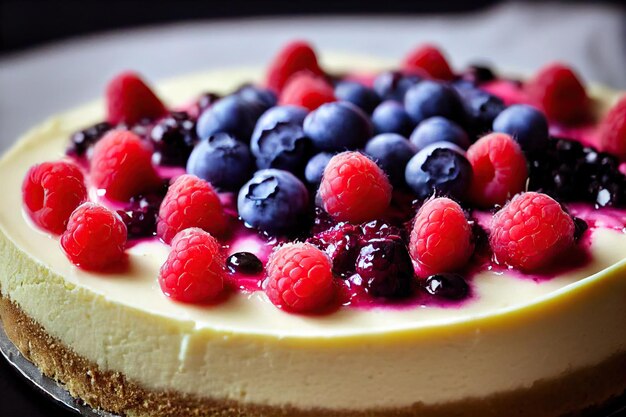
548	342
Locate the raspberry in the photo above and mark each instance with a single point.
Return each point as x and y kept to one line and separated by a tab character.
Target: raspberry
295	57
354	188
299	278
95	237
50	192
612	130
190	202
429	59
129	99
306	90
530	231
558	91
122	165
499	167
441	238
195	269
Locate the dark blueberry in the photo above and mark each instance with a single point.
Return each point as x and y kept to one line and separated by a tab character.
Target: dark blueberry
478	74
315	167
244	263
273	201
481	108
231	114
440	169
279	114
283	146
206	100
173	138
255	95
430	98
357	94
527	125
140	216
580	227
385	268
221	160
449	286
439	129
391	152
390	117
393	85
84	139
341	243
338	126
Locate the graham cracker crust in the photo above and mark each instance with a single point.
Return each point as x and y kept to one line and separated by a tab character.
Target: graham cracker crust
575	394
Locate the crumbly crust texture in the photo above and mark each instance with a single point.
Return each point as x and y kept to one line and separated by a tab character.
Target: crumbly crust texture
584	389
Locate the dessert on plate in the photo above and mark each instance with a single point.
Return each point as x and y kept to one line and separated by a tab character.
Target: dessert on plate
342	237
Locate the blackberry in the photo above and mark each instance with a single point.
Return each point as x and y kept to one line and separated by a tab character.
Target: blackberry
82	140
449	286
140	216
173	138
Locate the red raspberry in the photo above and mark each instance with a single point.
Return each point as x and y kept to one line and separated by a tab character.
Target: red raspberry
441	238
195	270
429	59
558	91
295	57
612	130
95	237
190	202
129	99
306	90
499	167
122	165
354	188
530	231
299	278
50	192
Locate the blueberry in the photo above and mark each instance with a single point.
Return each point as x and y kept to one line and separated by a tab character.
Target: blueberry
385	268
84	139
231	114
279	114
315	167
390	117
527	125
338	126
478	74
357	94
221	160
244	263
206	100
173	138
283	146
391	152
481	108
258	96
273	201
140	216
439	129
393	85
441	169
430	98
449	286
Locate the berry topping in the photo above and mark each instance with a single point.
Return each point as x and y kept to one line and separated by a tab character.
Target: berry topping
231	114
173	138
221	160
342	244
393	85
441	238
430	98
140	217
190	202
244	263
129	99
308	91
527	125
122	165
558	91
612	130
499	169
283	146
299	278
279	114
273	201
430	60
83	140
354	188
391	152
194	271
439	169
338	126
530	231
297	56
385	268
449	286
481	108
439	129
358	94
390	117
315	167
95	237
50	192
